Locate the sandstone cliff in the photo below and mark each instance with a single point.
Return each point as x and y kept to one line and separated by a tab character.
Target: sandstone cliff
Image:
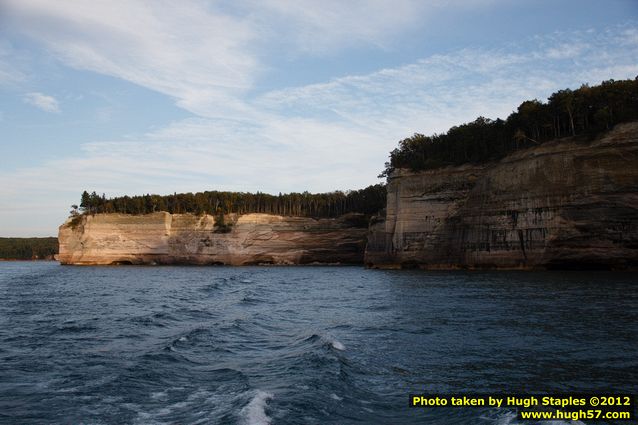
563	204
163	238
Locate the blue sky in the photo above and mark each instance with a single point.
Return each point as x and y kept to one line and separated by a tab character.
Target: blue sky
135	97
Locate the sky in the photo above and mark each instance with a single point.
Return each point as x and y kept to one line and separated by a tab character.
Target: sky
134	97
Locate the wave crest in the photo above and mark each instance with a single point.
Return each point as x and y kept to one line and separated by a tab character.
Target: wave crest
254	413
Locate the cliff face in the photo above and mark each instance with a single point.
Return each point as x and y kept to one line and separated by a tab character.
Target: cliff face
163	238
566	204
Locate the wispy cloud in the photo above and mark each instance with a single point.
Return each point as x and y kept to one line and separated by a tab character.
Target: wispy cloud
208	55
313	27
437	92
308	26
186	50
42	101
9	72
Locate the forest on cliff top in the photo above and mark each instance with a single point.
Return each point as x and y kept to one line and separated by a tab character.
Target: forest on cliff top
367	201
587	110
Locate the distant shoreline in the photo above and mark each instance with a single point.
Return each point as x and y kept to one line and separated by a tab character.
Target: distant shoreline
24	259
29	249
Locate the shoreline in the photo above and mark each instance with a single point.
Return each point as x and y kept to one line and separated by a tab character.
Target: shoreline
346	265
23	259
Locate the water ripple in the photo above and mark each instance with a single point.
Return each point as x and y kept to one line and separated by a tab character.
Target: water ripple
311	345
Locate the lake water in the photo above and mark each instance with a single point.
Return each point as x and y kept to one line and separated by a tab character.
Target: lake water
301	345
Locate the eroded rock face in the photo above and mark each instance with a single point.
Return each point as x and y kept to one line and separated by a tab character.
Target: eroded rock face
559	205
164	238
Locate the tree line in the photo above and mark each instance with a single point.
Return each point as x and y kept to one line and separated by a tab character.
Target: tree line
28	248
586	110
332	204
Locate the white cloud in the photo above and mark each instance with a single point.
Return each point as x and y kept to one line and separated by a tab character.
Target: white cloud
186	50
435	93
42	101
323	27
208	55
565	51
319	27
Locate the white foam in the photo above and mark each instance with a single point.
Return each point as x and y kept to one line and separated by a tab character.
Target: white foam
337	345
164	411
507	418
200	394
180	405
160	395
183	338
254	413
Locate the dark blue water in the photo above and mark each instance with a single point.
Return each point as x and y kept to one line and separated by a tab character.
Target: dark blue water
301	345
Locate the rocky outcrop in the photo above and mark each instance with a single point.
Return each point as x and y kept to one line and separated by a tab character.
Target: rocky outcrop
163	238
564	204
